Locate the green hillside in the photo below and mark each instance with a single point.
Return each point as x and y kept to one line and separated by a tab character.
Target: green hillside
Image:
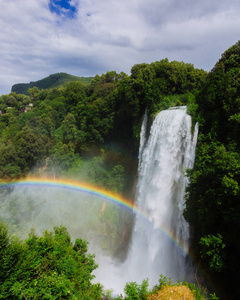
52	81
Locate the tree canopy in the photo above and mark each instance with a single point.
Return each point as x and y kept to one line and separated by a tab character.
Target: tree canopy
46	267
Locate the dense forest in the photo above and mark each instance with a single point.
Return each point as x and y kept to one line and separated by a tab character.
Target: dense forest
95	126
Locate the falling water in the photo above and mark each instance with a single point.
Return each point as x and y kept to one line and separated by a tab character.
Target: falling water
167	153
160	239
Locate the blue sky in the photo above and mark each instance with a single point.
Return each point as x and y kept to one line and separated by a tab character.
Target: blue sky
89	37
63	8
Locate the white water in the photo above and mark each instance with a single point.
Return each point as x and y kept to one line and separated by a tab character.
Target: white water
163	159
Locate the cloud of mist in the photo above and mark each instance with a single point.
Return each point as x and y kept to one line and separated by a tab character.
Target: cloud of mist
85	216
104	224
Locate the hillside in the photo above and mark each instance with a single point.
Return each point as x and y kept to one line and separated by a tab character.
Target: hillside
52	81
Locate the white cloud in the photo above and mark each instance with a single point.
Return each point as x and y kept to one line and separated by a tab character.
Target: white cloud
111	35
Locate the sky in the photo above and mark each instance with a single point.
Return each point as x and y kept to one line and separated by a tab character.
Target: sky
89	37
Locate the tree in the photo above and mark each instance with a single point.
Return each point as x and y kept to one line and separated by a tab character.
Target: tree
46	267
74	92
68	130
219	99
30	146
212	251
213	199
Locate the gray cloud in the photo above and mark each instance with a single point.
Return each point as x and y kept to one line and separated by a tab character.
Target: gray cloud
174	11
111	35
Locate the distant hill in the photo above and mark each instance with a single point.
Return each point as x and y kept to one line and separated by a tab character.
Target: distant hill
52	81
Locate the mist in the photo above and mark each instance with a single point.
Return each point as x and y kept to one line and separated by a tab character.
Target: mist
105	225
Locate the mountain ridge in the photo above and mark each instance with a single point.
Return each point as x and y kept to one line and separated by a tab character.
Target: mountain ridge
52	81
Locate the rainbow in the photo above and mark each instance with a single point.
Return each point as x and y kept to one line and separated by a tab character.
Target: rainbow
83	187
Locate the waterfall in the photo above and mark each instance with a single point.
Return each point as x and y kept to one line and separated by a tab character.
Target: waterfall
169	151
160	235
143	137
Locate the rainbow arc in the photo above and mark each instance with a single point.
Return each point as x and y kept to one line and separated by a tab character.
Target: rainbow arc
83	187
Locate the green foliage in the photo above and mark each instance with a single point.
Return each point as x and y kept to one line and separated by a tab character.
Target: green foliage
53	81
212	251
74	93
23	151
163	280
136	291
219	99
213	206
213	200
213	297
99	172
29	146
46	267
107	295
4	237
63	160
64	119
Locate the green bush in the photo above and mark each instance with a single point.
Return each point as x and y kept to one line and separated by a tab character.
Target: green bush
46	267
136	291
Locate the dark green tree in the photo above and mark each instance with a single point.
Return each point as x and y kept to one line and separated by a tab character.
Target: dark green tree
213	200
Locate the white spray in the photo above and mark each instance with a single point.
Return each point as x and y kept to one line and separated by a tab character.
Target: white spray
160	241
